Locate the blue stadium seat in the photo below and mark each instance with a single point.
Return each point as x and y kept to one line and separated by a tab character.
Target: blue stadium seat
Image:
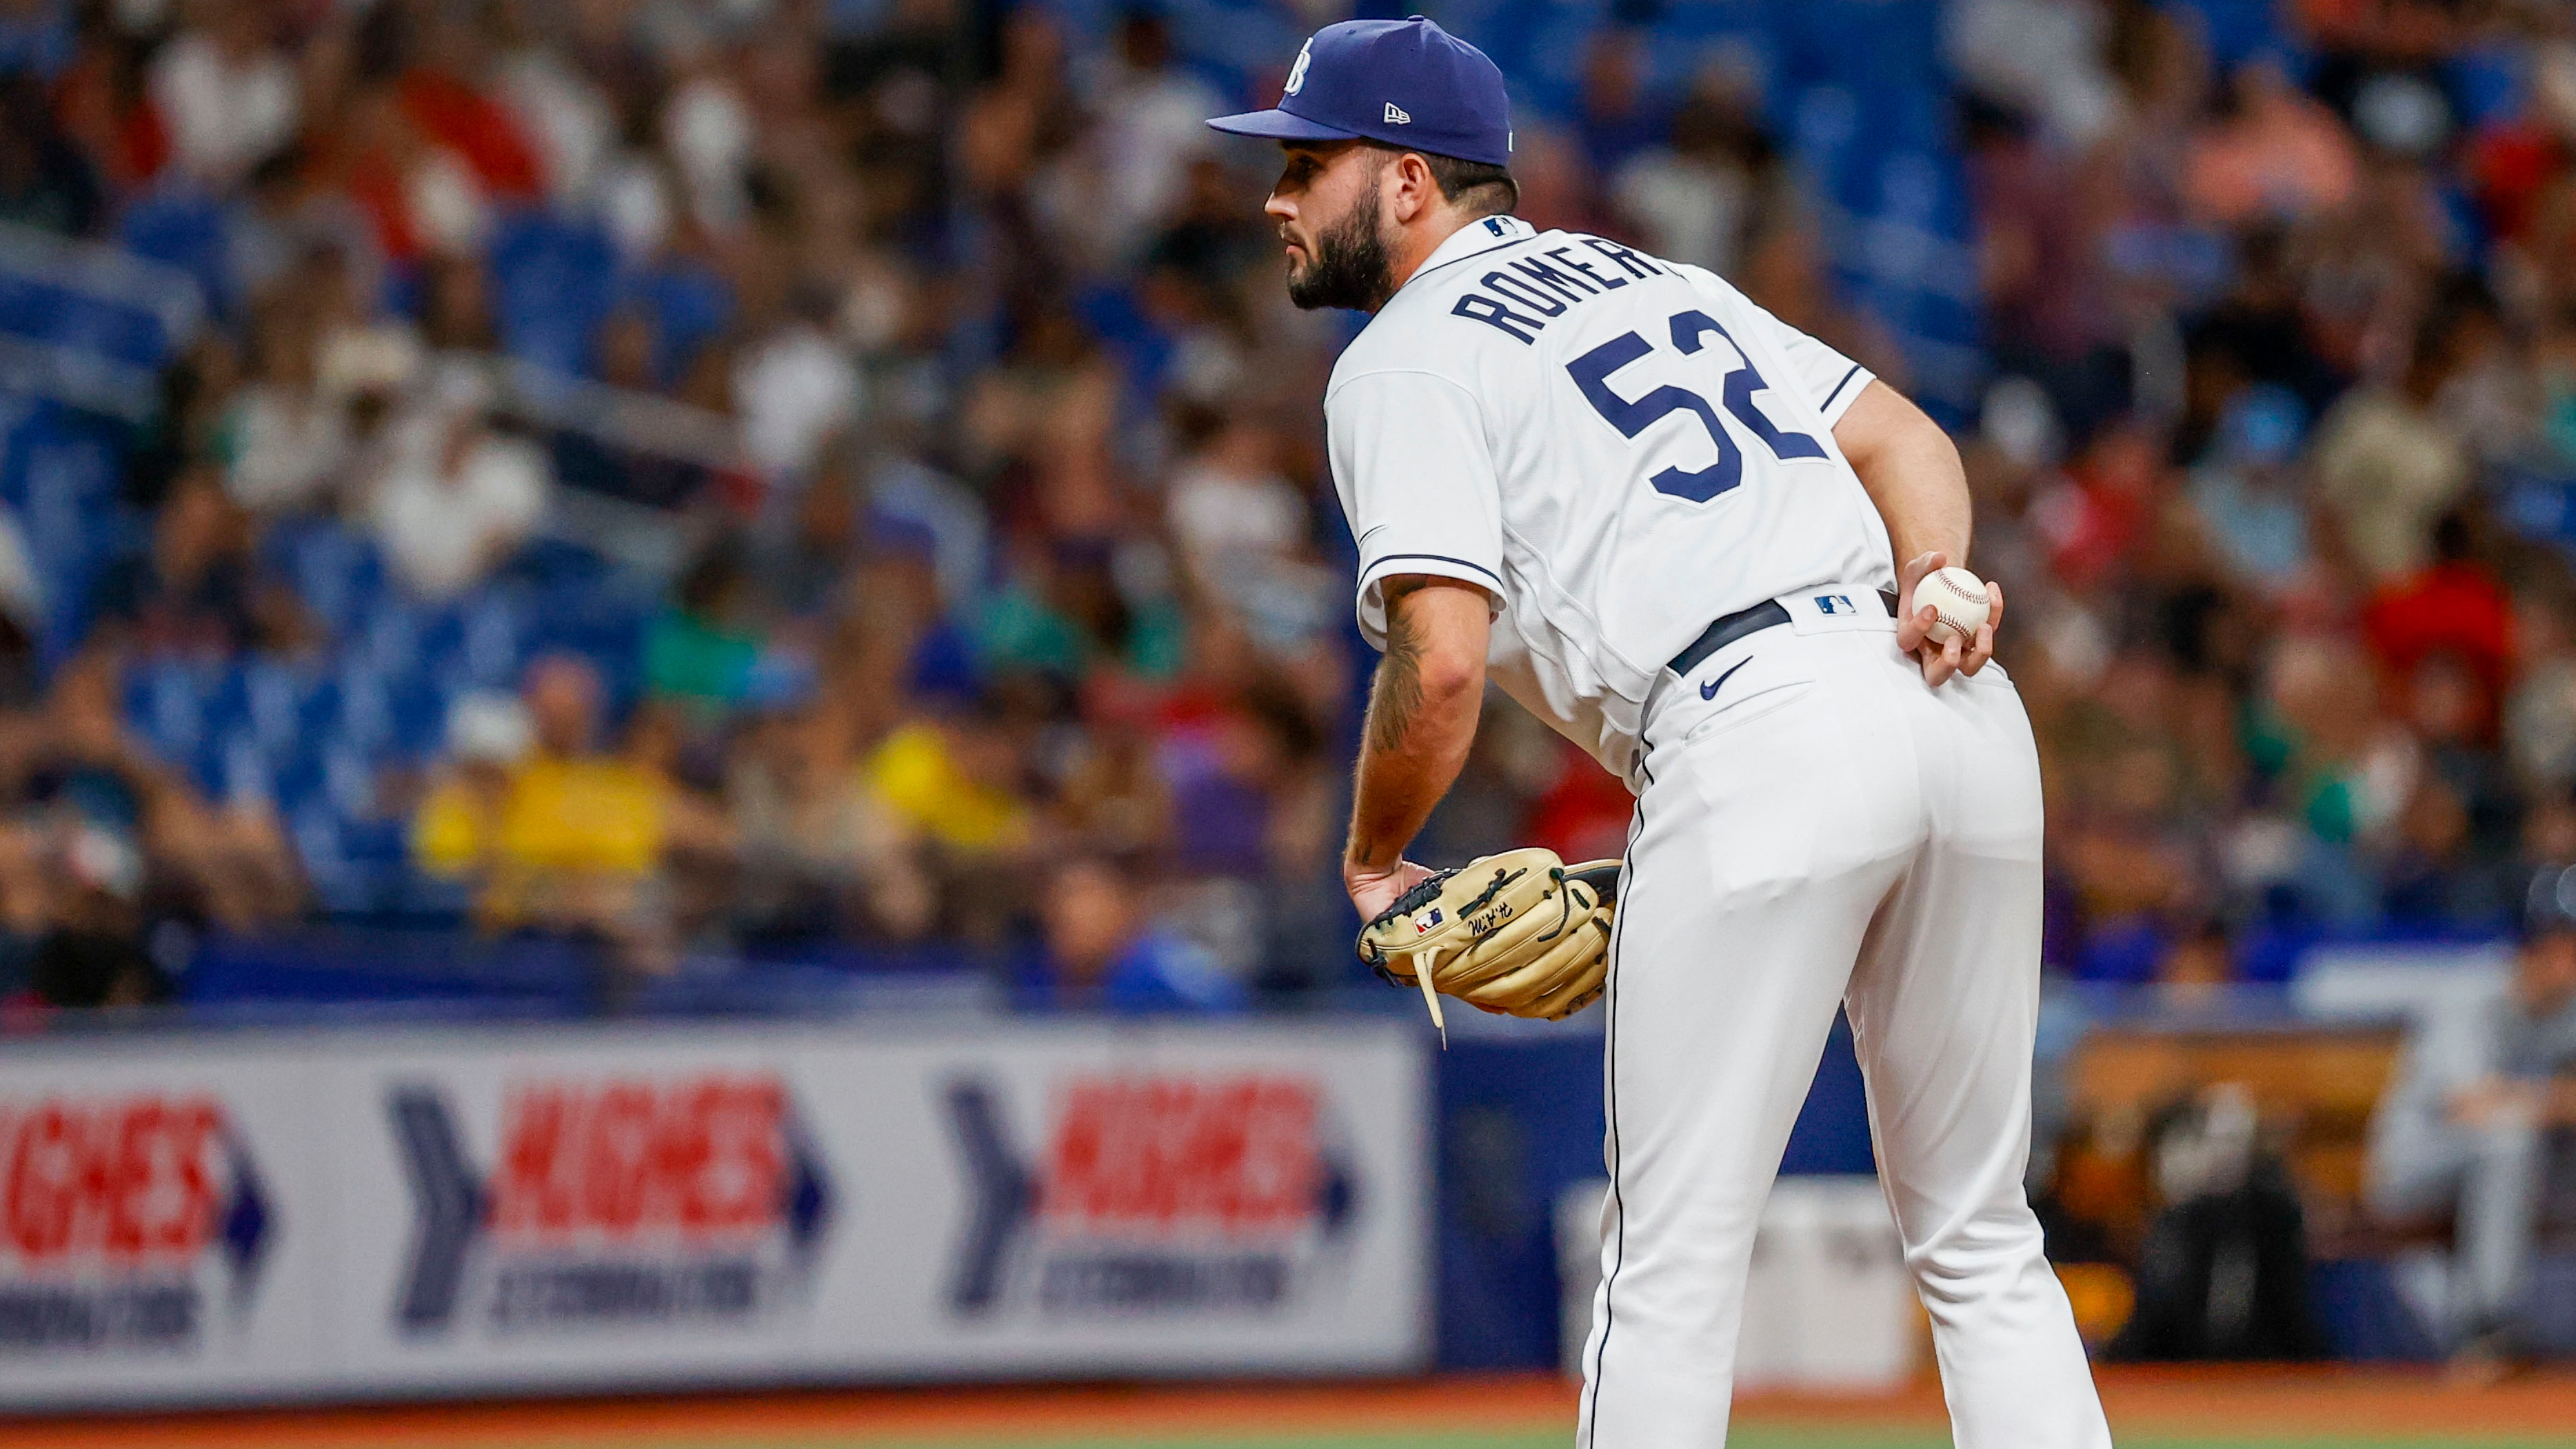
59	469
181	227
340	885
1539	45
243	774
44	310
419	721
284	702
494	633
554	282
167	701
336	570
389	638
351	852
688	305
1228	42
363	708
2236	30
1686	39
294	779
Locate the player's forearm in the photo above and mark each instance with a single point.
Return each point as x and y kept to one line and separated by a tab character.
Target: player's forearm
1421	716
1912	473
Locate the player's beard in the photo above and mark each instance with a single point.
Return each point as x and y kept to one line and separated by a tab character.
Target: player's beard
1349	265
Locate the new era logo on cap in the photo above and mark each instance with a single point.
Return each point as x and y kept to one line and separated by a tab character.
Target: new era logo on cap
1337	89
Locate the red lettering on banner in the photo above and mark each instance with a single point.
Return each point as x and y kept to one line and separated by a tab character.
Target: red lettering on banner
1236	1154
626	1157
531	1193
617	1175
731	1165
127	1179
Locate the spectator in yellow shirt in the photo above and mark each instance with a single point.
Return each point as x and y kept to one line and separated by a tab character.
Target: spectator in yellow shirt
951	781
559	838
953	786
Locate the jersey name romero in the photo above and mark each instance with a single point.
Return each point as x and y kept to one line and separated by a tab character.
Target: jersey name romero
1619	447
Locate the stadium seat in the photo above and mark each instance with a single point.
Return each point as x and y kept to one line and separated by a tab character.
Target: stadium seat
179	226
554	282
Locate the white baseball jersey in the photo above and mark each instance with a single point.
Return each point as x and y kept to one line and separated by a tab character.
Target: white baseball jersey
1619	447
1621	450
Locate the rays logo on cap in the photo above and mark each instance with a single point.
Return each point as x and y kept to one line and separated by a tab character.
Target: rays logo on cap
1297	72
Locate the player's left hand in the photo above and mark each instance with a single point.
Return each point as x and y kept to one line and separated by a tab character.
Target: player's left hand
1372	891
1914	626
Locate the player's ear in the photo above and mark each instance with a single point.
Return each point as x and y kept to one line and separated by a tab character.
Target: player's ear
1413	187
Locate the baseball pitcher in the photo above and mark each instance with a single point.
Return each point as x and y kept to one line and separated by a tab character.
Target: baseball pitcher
1667	524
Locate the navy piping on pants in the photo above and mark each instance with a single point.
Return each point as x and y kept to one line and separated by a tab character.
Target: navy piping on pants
1610	1074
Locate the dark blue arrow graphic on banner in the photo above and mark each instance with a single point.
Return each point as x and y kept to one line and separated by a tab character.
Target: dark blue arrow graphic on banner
808	1192
449	1208
245	1225
1004	1196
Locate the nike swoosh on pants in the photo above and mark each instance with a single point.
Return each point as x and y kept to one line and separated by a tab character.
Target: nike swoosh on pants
1710	689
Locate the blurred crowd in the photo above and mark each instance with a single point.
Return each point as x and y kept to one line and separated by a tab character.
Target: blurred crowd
1010	604
2275	464
1002	613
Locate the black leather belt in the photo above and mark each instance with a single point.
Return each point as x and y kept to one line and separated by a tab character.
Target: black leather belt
1726	631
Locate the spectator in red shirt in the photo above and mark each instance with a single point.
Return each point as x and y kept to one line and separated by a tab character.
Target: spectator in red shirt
444	100
2453	606
2096	518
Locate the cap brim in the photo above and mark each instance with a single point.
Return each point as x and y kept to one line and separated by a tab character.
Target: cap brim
1280	126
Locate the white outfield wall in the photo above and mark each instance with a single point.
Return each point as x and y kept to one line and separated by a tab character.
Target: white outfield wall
336	1213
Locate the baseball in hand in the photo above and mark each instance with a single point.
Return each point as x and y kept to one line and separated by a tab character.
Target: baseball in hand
1959	599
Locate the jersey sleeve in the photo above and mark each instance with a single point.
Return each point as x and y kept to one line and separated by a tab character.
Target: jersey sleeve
1826	378
1416	478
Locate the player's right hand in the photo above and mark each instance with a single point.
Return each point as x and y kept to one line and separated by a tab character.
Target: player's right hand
1914	626
1372	891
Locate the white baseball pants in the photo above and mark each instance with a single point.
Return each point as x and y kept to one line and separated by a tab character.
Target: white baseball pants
1823	829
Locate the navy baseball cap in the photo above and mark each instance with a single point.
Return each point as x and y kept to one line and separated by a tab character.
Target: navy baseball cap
1407	83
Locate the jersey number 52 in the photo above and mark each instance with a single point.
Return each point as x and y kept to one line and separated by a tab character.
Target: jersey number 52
1592	371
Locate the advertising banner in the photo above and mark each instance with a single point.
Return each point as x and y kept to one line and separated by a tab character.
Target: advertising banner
149	1233
323	1214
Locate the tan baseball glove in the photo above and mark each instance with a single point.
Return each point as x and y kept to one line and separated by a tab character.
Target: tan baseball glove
1520	933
